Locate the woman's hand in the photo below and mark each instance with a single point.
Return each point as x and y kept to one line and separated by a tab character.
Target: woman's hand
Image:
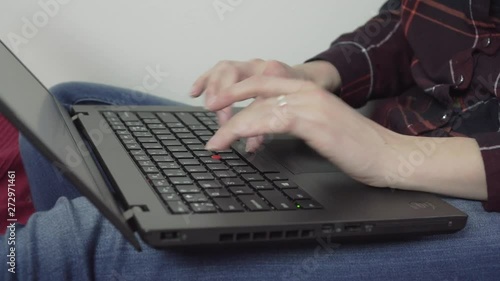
352	142
227	73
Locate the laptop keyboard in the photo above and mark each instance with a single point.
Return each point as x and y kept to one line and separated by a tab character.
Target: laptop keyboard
169	150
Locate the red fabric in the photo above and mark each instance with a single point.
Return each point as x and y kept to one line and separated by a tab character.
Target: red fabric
10	160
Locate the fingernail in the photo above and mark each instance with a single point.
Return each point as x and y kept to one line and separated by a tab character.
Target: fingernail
193	91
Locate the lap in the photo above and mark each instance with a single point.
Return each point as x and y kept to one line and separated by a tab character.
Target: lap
73	241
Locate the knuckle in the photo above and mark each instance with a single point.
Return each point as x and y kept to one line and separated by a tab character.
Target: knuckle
274	67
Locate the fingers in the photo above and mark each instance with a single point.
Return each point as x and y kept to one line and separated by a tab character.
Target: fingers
199	85
224	115
264	116
254	143
259	86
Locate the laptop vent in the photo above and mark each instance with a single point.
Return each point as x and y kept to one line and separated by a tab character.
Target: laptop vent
266	236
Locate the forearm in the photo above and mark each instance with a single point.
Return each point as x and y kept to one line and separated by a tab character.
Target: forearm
447	166
323	73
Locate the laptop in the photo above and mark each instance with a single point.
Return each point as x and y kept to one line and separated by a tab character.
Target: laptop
146	170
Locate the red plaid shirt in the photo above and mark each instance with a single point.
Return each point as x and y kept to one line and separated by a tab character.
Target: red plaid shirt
437	64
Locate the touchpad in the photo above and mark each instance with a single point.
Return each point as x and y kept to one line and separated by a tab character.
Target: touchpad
295	155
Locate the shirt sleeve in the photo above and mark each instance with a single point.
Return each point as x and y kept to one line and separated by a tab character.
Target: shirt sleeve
374	61
489	144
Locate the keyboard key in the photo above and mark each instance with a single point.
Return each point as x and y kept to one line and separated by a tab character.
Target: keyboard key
129	142
109	114
174	173
180	130
171	143
254	203
203	133
181	181
235	163
203	153
150	169
285	184
308	204
187	118
209	160
152	145
186	136
126	137
122	132
152	121
160	183
155	176
217	193
217	167
232	182
170	197
199	114
213	127
154	152
190	141
128	116
189	162
156	126
142	134
197	147
203	208
168	165
183	155
229	156
175	125
210	184
165	189
224	174
296	194
137	152
173	149
277	199
275	177
241	190
195	169
195	197
252	177
161	132
197	127
163	158
133	146
138	129
147	140
133	123
202	176
262	185
141	157
167	117
205	138
228	205
178	207
146	163
145	115
244	170
166	137
183	189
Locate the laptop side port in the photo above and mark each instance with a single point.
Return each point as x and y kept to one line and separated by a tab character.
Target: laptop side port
352	227
169	236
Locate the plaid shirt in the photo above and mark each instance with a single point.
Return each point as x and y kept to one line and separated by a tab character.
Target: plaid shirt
436	64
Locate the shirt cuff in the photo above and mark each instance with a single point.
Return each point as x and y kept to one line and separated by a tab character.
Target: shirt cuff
353	64
489	144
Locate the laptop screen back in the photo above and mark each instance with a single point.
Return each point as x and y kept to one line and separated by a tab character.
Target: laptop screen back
45	123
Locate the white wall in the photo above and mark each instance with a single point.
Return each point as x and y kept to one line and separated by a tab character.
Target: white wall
116	41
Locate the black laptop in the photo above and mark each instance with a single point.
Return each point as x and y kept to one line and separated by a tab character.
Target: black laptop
151	175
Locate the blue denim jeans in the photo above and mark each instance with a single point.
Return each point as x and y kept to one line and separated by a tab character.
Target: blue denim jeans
68	239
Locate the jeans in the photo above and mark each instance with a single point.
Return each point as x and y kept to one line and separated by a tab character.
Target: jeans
68	239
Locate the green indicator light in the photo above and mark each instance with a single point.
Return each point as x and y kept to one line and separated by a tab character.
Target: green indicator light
298	206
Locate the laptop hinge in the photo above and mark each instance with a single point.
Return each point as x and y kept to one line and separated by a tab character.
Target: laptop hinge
128	214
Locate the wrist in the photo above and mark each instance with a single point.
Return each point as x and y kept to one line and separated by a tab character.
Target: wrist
322	73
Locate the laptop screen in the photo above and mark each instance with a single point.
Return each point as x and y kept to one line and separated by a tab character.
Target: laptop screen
43	121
